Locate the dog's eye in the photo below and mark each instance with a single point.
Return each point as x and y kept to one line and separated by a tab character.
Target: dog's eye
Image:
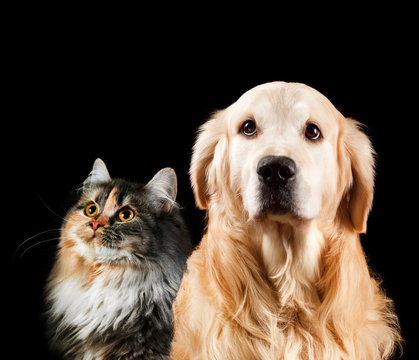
248	128
312	132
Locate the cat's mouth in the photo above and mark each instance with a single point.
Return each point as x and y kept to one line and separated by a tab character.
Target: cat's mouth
106	237
107	250
98	241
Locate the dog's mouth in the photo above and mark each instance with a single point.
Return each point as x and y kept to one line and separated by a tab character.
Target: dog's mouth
276	176
276	204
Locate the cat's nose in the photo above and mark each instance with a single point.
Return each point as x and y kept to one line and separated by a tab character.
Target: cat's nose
96	224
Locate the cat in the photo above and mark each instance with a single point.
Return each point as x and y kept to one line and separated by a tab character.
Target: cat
120	260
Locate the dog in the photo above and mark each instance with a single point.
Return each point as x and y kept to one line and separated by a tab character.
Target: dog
287	184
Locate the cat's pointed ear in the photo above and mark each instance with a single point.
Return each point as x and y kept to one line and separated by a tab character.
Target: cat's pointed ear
99	174
164	187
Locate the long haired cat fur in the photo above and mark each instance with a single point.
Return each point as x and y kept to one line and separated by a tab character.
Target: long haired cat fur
120	260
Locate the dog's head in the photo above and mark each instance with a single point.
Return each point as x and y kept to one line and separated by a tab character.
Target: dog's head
284	152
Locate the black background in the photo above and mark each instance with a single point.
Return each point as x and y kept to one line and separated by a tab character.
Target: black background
136	98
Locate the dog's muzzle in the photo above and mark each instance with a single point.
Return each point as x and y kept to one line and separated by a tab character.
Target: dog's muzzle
277	176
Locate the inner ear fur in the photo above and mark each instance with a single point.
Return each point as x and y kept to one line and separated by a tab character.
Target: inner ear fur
360	187
201	174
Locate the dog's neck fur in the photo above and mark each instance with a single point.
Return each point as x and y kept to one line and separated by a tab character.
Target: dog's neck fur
302	271
286	248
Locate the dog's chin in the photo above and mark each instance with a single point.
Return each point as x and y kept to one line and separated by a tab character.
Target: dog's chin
285	218
280	214
282	209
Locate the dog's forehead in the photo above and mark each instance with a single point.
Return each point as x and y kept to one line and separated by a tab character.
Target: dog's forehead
282	98
277	91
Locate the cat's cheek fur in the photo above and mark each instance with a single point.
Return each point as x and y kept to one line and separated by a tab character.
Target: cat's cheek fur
95	252
76	234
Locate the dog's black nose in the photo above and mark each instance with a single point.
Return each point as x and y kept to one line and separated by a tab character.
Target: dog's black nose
276	169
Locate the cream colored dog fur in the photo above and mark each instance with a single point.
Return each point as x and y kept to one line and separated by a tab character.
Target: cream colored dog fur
274	278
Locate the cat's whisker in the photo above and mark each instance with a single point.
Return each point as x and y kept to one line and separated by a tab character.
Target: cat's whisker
36	244
52	211
35	236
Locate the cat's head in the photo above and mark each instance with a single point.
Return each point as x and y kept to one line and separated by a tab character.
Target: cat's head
114	220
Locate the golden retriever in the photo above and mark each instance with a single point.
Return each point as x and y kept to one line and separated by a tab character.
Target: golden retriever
287	182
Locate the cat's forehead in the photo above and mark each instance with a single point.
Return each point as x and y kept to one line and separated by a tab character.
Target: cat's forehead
127	191
119	191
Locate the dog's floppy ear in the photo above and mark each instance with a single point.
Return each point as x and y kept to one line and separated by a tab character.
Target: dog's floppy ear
201	172
361	157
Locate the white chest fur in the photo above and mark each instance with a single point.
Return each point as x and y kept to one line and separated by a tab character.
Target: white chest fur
105	302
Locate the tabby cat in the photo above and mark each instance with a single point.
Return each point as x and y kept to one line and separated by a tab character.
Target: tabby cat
120	260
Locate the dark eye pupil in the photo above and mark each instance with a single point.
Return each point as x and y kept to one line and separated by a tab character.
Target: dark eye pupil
249	127
125	215
91	210
312	132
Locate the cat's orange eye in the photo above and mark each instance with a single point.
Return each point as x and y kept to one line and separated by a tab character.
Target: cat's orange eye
126	214
91	210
